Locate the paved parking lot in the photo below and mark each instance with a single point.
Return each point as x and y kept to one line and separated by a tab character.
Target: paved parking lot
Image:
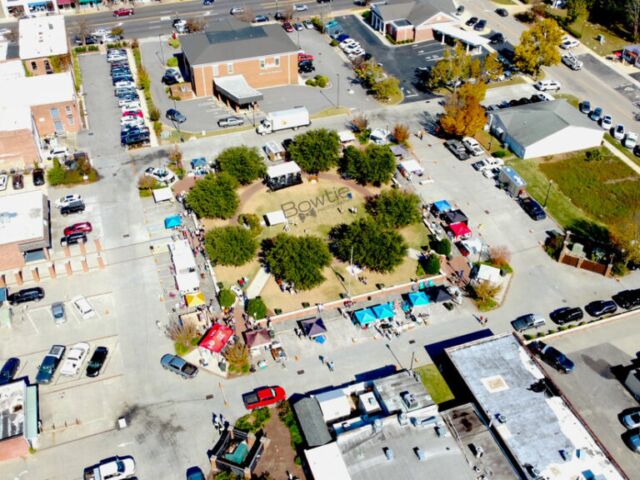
592	388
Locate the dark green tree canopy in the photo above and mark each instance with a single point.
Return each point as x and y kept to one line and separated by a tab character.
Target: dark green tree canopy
395	209
230	245
243	163
316	150
298	260
214	196
372	245
375	165
256	308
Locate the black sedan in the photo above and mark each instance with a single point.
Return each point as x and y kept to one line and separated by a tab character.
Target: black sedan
533	208
566	314
599	308
502	12
9	370
97	361
175	116
472	21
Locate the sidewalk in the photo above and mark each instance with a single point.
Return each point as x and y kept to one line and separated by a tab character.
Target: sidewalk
634	166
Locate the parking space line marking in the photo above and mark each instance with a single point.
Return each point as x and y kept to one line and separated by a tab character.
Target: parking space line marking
33	323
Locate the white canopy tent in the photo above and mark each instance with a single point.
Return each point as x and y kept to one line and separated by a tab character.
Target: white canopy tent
162	195
188	282
275	218
182	257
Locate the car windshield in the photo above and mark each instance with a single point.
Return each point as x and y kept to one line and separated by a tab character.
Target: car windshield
47	364
635	417
120	466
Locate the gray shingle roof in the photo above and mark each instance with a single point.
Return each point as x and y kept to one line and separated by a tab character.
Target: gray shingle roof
416	11
311	422
529	124
230	39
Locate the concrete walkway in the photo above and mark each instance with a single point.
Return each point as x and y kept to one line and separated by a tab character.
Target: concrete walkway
258	283
634	166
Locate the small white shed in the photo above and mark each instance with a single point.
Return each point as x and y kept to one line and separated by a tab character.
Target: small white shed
275	218
162	195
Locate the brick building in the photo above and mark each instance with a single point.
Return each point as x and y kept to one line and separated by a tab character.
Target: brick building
43	44
234	59
413	21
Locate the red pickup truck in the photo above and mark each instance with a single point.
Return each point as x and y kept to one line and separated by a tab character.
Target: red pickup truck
262	397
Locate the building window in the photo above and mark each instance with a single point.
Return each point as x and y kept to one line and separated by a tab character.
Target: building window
34	66
262	63
47	67
276	61
215	71
67	109
58	126
55	114
70	119
229	67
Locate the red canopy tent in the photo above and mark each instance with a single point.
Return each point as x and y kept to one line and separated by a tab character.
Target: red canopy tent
460	231
216	338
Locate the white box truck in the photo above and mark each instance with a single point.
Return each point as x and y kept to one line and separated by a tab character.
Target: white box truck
292	118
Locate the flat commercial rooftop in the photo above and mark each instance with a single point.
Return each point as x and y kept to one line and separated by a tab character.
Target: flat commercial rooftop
538	429
38	90
21	217
42	37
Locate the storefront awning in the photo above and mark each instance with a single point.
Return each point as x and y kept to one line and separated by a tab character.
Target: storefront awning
236	89
62	3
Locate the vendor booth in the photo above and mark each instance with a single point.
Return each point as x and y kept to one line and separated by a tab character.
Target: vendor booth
459	231
172	222
440	207
314	329
365	317
384	311
257	339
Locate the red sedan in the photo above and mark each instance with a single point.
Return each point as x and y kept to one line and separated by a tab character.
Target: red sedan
123	12
304	57
287	27
263	397
82	227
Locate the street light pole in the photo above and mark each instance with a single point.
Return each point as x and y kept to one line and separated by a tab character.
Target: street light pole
546	197
161	48
338	99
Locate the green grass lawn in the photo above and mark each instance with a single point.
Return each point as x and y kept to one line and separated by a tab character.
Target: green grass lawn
434	383
625	151
589	33
503	2
571	99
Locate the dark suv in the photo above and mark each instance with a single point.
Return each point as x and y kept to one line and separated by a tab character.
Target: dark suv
38	177
73	238
457	148
26	295
627	299
552	356
566	314
533	208
73	207
598	308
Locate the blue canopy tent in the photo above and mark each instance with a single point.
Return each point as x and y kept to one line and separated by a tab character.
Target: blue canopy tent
418	299
384	311
365	316
173	221
198	162
441	206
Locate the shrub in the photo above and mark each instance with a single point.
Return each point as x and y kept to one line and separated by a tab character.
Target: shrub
154	114
254	421
256	308
321	81
226	298
172	62
442	247
525	17
157	127
432	266
174	42
400	133
360	123
334	43
310	82
317	23
500	154
252	221
56	175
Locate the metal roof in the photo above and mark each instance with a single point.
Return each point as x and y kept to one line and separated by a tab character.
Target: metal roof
311	422
416	12
236	89
230	39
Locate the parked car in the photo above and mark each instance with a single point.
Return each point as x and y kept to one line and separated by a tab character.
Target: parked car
17	181
627	299
9	370
619	131
38	176
178	366
68	199
73	207
502	12
480	25
547	85
631	419
525	322
596	114
606	122
471	22
175	116
260	19
566	314
81	227
300	7
232	121
569	43
585	106
457	148
114	468
287	27
73	239
630	140
4	181
472	145
135	137
306	67
308	24
298	26
572	62
533	208
123	12
599	308
49	364
33	294
552	356
496	38
74	360
632	439
96	362
83	307
262	397
58	313
172	76
162	175
459	10
195	473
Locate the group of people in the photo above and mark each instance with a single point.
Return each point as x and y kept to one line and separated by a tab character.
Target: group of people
219	422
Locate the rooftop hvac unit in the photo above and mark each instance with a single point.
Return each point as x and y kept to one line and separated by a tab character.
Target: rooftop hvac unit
377	425
403	419
409	399
420	454
388	452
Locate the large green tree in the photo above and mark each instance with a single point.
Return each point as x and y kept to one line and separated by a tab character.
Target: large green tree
316	150
387	89
538	46
231	245
214	196
243	163
374	165
369	244
395	208
298	260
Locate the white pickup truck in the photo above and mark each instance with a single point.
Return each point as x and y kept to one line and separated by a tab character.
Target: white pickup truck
114	468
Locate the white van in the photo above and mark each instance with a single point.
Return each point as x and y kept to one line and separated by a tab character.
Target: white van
547	85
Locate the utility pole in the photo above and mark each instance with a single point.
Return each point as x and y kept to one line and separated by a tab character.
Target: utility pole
338	99
161	49
546	197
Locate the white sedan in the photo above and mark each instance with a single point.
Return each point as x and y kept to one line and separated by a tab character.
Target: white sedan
162	175
74	360
472	145
569	43
300	7
83	307
68	199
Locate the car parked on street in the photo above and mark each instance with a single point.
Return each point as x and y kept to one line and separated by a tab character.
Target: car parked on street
123	12
619	131
96	362
585	107
569	43
33	294
231	121
263	397
472	146
49	364
631	419
532	208
58	313
74	360
17	181
502	12
114	468
83	307
566	314
627	299
178	366
606	122
596	114
9	370
630	140
480	25
552	356
547	85
632	439
457	148
525	322
471	22
287	27
599	308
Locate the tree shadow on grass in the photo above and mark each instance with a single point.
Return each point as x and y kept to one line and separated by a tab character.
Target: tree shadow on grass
590	230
